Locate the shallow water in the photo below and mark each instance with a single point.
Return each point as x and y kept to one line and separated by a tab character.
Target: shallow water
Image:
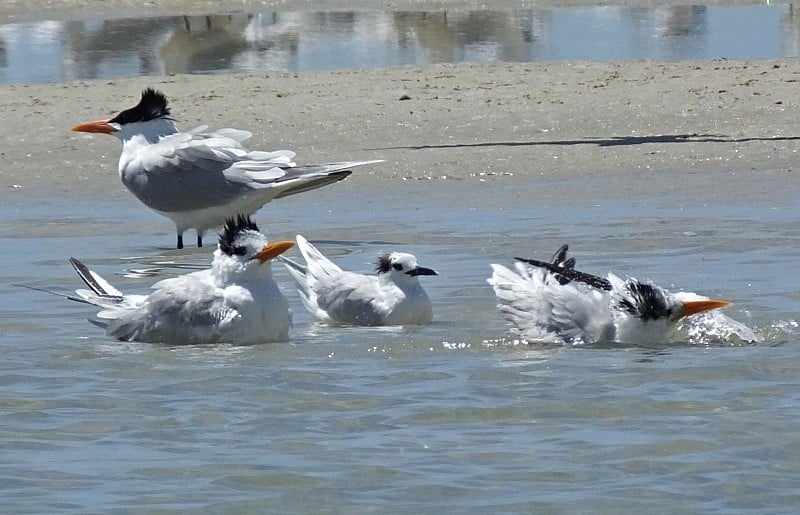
52	50
451	416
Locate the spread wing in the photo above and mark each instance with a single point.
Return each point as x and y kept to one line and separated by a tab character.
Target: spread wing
544	310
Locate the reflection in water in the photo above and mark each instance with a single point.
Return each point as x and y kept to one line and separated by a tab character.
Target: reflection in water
459	36
205	43
53	51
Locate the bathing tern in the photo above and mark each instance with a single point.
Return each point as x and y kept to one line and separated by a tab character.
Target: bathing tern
235	301
393	296
552	302
198	178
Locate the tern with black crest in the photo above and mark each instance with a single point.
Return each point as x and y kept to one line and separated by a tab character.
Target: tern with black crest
552	302
199	178
235	301
393	296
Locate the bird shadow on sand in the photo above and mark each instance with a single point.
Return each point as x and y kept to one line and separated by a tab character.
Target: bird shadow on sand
610	141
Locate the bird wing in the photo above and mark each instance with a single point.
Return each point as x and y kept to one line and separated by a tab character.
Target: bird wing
330	293
351	298
180	310
194	170
101	293
308	177
318	266
301	279
98	285
547	311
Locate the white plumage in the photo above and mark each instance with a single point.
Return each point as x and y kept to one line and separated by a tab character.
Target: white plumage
200	178
235	301
554	303
393	296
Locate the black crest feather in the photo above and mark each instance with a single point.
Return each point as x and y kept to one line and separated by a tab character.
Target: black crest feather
233	226
383	264
152	105
647	301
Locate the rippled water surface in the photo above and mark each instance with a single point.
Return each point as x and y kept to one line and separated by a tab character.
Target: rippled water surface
52	51
448	417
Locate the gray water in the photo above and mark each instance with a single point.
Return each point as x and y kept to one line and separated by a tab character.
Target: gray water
53	50
451	417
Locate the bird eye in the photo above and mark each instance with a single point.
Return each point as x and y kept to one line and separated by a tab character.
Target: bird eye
240	250
397	266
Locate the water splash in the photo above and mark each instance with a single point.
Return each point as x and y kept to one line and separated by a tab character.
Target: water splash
716	328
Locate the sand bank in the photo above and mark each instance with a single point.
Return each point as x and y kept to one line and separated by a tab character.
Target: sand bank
465	121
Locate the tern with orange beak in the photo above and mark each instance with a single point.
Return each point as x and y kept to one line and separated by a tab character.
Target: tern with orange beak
198	178
552	302
235	301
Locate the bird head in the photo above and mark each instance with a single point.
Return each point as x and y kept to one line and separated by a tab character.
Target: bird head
648	302
240	241
401	267
150	117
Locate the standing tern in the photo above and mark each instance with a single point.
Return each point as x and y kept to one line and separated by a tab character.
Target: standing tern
393	296
552	302
197	178
235	301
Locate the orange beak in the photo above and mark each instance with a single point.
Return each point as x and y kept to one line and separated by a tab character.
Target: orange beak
100	126
273	250
694	307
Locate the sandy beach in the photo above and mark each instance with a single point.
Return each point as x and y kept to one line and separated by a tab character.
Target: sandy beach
692	125
464	121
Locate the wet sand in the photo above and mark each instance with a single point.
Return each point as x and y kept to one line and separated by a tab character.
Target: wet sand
719	125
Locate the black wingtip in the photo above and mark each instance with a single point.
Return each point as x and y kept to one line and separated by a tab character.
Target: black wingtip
560	256
86	275
564	272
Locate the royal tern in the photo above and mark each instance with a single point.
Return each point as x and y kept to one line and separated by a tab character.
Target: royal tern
197	178
393	296
555	303
235	301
